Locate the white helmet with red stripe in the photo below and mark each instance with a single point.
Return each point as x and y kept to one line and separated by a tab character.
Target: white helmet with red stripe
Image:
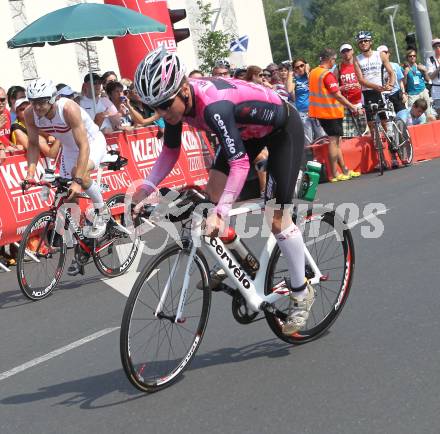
158	77
42	88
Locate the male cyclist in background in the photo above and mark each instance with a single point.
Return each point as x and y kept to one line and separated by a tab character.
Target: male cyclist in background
368	68
83	146
245	117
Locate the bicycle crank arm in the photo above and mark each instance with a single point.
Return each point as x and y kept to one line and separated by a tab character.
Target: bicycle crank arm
270	308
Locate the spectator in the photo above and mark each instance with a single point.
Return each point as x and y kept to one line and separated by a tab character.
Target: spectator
351	90
126	116
415	77
286	77
240	73
104	107
416	114
5	144
398	94
18	129
312	128
195	73
14	93
221	68
267	76
433	65
65	91
5	127
326	104
108	77
254	74
149	117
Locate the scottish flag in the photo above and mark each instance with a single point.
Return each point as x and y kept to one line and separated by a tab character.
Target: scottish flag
240	44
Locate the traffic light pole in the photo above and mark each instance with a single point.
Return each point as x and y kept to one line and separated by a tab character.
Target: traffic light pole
423	28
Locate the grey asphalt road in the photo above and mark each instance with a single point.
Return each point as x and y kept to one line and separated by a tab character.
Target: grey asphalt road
376	371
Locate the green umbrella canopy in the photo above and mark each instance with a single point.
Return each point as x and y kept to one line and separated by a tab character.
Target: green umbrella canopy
84	21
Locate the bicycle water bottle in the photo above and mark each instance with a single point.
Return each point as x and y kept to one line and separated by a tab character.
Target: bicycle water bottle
239	249
310	181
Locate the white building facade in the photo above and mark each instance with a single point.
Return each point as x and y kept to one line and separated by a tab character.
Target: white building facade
67	63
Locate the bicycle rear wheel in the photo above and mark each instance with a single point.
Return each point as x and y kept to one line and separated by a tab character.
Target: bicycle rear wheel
331	246
41	257
155	350
378	144
114	252
403	142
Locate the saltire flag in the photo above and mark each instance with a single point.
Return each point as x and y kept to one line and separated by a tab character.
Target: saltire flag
239	44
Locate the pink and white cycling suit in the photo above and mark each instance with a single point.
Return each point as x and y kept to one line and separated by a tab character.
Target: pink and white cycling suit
236	112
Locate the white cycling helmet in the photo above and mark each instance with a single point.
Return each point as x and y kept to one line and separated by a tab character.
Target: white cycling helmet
158	77
42	88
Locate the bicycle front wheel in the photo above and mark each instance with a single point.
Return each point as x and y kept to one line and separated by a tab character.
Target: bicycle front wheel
41	257
114	252
330	244
403	142
155	350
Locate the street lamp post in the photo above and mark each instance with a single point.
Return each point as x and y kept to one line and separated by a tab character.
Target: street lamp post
392	10
287	9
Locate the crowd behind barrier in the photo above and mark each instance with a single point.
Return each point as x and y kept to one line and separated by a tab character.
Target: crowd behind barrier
337	82
141	146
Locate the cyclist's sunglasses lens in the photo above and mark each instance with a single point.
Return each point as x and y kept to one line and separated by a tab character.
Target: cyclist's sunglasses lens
165	105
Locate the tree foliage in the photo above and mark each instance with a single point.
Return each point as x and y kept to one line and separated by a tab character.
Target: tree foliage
212	44
316	24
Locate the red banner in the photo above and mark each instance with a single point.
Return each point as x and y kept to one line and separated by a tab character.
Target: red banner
141	147
130	50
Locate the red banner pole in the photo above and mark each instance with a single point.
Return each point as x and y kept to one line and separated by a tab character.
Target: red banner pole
130	50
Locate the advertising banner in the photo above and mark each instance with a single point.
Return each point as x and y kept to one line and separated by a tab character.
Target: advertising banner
131	49
141	147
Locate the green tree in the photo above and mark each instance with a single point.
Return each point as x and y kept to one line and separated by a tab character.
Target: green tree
212	44
317	24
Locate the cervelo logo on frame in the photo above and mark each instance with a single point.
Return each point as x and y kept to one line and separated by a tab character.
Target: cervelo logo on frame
238	272
229	142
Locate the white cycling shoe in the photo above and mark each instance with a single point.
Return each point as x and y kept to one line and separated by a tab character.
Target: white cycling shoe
299	312
99	226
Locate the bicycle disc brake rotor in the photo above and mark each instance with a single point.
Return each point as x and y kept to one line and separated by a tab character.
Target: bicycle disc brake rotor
240	311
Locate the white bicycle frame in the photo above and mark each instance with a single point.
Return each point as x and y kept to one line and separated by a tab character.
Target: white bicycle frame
251	289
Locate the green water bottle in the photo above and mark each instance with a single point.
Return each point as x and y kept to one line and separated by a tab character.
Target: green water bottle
310	181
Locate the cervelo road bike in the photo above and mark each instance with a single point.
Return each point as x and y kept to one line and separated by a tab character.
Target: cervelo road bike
395	136
42	252
167	311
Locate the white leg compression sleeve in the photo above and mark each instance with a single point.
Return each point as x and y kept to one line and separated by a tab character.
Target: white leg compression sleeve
291	244
95	195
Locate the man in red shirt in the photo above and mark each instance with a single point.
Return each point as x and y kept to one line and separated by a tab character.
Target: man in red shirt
352	90
5	125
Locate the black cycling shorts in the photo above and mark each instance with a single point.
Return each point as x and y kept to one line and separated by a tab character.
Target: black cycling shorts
332	127
286	147
372	97
397	101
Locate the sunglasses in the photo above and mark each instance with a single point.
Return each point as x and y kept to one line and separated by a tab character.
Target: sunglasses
411	55
164	106
300	66
2	99
260	74
267	75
